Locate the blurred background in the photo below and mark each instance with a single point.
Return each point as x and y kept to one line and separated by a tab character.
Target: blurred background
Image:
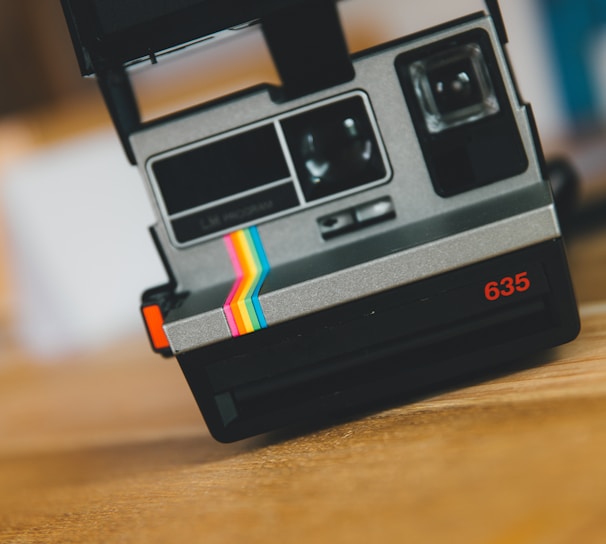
74	249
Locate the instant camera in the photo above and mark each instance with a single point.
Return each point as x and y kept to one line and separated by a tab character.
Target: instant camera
374	228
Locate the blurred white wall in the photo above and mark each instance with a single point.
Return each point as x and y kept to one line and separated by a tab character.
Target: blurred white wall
76	217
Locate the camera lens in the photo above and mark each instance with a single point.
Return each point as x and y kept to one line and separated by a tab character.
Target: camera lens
333	148
454	87
335	151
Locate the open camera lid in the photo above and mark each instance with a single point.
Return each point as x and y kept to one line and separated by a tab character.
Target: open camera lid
112	33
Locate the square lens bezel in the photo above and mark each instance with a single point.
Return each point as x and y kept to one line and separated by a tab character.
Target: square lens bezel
471	154
424	74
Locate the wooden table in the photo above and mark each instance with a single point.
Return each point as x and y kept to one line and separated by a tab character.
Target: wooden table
109	447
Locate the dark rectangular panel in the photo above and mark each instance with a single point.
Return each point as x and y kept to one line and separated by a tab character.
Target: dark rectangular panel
221	169
235	212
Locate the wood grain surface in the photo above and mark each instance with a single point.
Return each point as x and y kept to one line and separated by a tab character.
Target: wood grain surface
109	447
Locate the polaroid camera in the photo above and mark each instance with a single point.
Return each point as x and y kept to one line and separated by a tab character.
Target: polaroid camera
374	228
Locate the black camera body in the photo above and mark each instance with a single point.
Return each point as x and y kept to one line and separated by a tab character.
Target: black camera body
375	228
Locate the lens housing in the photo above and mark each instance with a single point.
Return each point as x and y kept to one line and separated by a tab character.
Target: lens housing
454	87
461	111
334	148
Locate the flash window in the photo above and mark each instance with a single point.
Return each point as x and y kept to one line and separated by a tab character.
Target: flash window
454	87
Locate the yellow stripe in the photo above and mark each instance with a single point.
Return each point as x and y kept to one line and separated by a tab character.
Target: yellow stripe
253	268
239	300
242	308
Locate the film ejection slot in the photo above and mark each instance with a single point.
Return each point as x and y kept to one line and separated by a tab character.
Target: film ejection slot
356	218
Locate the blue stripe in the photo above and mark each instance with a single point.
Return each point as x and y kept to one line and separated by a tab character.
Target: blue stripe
254	233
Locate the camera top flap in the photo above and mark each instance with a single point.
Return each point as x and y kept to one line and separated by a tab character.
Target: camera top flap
119	32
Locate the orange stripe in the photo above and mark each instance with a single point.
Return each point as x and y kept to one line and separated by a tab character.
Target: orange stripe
229	315
239	298
249	250
242	308
235	310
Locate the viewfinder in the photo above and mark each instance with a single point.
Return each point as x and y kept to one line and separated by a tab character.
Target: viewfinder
454	87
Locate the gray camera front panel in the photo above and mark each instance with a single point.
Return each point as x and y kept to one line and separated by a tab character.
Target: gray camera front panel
276	122
402	268
295	236
295	240
189	330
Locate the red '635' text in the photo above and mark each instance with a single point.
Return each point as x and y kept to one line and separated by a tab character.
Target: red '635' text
507	286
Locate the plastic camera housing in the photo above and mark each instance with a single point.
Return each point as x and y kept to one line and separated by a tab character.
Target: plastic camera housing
376	228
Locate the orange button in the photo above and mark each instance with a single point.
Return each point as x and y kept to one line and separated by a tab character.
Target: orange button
154	322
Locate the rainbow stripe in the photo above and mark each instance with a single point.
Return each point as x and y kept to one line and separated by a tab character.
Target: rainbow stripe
242	307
